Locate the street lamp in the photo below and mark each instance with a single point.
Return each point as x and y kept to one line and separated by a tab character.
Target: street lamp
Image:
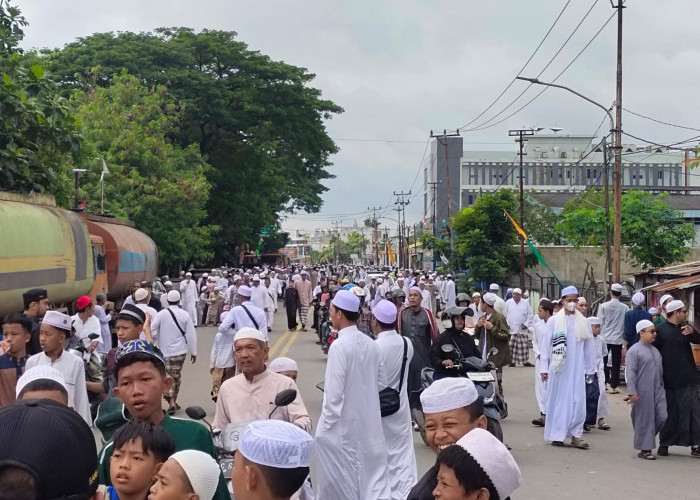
617	186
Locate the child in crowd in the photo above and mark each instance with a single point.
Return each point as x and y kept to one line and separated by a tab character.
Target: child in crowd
16	334
140	449
132	323
601	350
187	473
645	387
654	313
42	382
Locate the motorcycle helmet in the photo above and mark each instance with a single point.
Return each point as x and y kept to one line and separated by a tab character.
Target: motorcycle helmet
462	297
450	313
399	293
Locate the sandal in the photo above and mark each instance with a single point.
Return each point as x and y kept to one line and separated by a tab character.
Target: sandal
695	451
604	426
646	455
557	443
539	422
579	443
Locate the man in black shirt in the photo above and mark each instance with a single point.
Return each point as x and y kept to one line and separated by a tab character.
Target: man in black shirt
36	303
681	380
454	335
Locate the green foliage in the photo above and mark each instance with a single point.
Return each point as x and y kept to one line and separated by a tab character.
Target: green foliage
38	135
540	224
485	242
357	243
159	185
653	234
257	121
275	240
437	245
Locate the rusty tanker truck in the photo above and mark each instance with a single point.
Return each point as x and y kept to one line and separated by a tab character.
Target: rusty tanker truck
68	253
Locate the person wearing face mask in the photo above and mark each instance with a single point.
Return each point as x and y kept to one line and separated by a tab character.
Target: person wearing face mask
453	320
567	364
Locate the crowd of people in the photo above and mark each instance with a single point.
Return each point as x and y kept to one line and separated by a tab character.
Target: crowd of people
385	328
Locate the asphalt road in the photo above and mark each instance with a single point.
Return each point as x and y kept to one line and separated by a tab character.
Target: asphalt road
610	469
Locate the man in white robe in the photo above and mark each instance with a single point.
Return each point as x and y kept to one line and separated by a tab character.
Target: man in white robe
450	293
518	317
396	352
189	296
349	444
567	363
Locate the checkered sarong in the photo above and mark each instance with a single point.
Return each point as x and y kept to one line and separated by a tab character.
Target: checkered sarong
519	349
303	314
173	367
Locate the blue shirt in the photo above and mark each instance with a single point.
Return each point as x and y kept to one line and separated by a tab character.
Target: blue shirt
632	317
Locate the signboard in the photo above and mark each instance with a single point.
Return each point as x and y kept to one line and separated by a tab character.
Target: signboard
289	252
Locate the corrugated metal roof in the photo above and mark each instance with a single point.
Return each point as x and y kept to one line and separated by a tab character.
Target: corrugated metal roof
675	284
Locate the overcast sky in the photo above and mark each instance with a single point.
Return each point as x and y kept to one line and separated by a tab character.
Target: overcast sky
400	68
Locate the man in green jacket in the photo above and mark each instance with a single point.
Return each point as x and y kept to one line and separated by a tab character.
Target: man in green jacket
494	336
141	383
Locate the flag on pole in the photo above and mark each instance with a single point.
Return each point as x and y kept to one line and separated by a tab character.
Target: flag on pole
426	224
392	258
105	170
537	254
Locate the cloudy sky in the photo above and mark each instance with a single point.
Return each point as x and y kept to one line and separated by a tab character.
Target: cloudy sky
402	68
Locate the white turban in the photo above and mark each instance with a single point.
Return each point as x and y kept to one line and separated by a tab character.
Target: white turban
283	364
447	394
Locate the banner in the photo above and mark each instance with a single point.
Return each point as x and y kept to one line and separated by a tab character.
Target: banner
392	258
537	254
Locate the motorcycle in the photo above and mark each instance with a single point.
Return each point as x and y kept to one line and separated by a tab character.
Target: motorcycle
479	372
226	439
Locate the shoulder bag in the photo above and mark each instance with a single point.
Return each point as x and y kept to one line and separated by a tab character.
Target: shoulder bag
390	398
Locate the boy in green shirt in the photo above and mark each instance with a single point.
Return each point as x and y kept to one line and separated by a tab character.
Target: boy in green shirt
141	383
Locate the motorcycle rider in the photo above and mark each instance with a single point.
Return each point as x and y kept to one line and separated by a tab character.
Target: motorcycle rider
452	408
464	345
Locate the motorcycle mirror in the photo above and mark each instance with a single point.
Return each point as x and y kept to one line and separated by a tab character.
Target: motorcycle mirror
93	336
447	348
285	397
195	412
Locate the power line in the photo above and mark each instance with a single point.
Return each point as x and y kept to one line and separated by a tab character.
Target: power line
545	88
521	69
669	146
660	121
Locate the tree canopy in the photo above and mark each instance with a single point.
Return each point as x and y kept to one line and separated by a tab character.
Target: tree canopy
159	185
258	122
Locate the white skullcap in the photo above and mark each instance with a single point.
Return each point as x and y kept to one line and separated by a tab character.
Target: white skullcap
202	471
346	300
638	299
276	443
296	278
283	364
256	278
495	459
664	298
248	332
173	296
236	277
57	319
592	320
494	287
569	290
581	300
518	291
616	287
543	299
476	294
39	372
205	275
641	325
385	311
490	298
380	280
168	283
449	393
244	291
415	288
140	294
204	287
188	275
674	305
653	310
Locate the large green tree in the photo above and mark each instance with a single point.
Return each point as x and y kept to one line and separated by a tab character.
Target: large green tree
485	242
258	121
38	135
652	233
152	181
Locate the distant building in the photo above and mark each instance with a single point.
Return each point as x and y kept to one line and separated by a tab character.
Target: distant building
553	163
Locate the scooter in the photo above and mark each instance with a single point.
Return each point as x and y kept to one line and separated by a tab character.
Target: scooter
226	439
479	372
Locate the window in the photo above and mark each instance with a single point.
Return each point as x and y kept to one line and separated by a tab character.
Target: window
563	154
568	174
661	175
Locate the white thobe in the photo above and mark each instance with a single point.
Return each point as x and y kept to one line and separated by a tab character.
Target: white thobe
601	350
349	445
398	432
538	336
104	320
426	301
566	389
517	314
500	306
449	296
73	371
258	296
83	329
222	284
478	313
271	305
238	318
148	309
188	298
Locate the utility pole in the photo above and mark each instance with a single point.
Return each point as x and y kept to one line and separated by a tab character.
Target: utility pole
433	186
445	143
386	244
336	247
607	211
401	203
375	236
617	228
520	133
399	250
